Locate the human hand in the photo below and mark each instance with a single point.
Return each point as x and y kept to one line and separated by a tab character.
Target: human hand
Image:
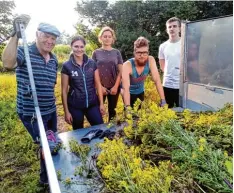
163	103
104	91
114	90
128	112
68	118
102	109
21	19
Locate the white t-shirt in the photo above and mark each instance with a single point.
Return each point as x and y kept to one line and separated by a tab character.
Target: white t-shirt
170	52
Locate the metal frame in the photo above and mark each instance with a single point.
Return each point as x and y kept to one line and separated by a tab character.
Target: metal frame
210	18
183	67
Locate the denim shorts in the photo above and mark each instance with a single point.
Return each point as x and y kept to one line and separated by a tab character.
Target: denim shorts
30	123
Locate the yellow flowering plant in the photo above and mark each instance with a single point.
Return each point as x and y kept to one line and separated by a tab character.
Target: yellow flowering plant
125	171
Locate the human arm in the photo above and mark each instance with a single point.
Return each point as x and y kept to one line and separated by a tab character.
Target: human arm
161	58
115	88
99	89
156	78
162	64
9	55
64	93
126	82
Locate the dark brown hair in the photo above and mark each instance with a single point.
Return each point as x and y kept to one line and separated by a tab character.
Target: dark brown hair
77	38
141	42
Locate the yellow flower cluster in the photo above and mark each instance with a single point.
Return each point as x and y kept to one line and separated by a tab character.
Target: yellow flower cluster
125	171
202	143
149	115
7	87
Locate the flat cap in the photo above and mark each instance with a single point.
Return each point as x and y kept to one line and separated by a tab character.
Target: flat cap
47	28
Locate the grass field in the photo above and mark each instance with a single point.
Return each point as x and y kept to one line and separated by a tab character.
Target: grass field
200	166
19	165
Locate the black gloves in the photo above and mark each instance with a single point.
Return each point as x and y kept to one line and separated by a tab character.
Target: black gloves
91	135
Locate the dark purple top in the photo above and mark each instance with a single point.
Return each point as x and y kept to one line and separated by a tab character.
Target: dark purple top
107	64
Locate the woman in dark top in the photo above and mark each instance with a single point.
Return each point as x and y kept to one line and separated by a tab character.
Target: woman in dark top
109	62
80	75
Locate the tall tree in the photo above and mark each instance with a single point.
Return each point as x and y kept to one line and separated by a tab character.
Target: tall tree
90	35
131	19
64	38
6	17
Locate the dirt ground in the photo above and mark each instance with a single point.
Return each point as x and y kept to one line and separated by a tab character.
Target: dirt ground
62	125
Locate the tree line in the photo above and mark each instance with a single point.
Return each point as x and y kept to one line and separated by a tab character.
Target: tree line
129	19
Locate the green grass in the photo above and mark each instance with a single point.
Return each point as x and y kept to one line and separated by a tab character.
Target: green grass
19	165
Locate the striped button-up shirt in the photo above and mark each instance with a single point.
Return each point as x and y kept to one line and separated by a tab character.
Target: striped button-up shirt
45	75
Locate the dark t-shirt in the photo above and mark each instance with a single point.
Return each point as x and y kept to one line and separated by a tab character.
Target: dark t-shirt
107	64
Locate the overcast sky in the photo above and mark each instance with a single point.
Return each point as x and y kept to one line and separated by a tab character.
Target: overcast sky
60	13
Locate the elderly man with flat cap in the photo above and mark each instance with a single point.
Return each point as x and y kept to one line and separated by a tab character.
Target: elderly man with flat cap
44	67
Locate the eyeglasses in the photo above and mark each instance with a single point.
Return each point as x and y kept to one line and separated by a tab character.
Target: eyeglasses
142	53
81	47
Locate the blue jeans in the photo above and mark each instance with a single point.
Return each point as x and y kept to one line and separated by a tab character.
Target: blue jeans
30	123
92	114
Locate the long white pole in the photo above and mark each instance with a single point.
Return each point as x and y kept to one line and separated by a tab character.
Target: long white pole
53	181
